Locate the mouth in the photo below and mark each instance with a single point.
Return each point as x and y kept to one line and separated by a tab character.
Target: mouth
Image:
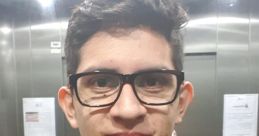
129	134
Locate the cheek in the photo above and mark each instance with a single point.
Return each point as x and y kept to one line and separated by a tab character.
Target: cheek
164	117
88	120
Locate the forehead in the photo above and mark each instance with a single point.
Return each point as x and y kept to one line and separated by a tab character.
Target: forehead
125	51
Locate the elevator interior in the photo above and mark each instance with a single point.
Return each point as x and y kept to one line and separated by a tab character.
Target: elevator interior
221	57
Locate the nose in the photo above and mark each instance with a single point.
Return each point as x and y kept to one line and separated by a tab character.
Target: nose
128	111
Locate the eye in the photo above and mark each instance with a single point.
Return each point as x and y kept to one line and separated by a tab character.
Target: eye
151	81
103	82
154	82
99	82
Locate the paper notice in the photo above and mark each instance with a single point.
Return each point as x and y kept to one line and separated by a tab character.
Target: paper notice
39	116
240	115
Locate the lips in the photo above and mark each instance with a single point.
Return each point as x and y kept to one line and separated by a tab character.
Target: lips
129	134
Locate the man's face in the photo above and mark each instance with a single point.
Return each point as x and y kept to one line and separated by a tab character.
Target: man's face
135	50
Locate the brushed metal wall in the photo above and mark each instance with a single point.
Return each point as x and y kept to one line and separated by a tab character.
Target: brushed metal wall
222	56
28	66
254	49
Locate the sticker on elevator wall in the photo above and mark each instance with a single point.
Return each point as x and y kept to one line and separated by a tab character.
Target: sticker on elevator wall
55	47
240	115
39	117
55	44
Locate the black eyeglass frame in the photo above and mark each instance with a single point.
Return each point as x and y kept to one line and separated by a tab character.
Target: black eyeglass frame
127	78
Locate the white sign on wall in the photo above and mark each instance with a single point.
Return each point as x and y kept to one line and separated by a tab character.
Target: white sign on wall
240	115
39	116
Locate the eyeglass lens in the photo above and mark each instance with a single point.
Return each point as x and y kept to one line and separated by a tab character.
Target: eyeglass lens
104	88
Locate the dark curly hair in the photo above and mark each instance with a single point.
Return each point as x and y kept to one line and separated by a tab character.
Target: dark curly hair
163	16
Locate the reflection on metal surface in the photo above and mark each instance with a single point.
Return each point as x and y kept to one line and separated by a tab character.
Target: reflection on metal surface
5	30
215	20
46	3
3	42
7	55
231	4
200	47
50	26
254	20
210	22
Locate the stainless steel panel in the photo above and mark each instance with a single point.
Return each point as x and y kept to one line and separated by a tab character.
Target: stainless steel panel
200	34
254	46
254	50
23	68
202	116
233	40
200	39
23	61
233	32
27	68
46	66
7	80
236	62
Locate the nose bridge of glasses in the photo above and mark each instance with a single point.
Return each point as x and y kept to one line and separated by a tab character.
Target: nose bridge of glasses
127	79
128	83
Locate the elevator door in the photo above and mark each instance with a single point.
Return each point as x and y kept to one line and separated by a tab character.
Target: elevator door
202	117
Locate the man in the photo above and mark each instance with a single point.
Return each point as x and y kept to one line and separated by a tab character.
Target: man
124	60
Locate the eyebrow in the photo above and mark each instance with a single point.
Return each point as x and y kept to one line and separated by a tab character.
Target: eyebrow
102	69
152	69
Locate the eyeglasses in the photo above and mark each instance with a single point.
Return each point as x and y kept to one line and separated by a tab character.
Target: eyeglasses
99	89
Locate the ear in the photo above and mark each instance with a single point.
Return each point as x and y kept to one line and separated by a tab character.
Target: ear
65	100
185	98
